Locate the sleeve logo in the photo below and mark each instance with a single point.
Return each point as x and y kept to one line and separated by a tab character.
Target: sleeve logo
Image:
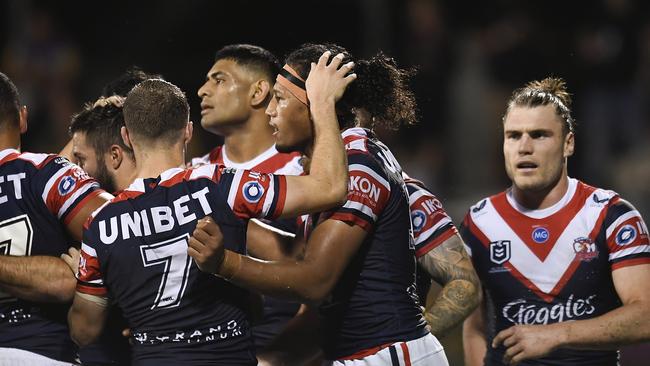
419	219
66	185
625	235
252	191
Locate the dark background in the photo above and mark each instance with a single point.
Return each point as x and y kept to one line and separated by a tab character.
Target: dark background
470	56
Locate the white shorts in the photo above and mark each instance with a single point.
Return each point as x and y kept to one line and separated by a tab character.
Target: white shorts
418	352
19	357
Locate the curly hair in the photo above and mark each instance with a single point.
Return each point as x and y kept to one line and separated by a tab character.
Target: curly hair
381	87
551	90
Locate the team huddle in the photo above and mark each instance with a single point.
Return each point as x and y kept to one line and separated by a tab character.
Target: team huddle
300	240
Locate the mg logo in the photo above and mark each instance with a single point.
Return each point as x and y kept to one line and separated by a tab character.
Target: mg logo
500	251
540	235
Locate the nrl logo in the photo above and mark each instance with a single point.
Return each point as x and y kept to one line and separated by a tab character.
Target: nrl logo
500	251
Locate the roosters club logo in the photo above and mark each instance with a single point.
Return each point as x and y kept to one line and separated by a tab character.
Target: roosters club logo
585	249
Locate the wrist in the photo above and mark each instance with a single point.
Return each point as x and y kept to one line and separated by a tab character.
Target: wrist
230	265
322	106
563	334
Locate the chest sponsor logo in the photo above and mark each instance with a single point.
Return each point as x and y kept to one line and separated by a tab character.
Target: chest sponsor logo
585	249
500	251
540	235
522	311
625	235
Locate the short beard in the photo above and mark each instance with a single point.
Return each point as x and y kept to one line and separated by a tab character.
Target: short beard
105	179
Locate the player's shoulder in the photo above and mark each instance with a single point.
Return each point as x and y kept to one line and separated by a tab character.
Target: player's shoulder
357	141
483	206
36	160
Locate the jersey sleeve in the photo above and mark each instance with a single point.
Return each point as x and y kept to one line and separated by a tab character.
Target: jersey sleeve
626	234
252	194
65	188
89	277
368	193
432	226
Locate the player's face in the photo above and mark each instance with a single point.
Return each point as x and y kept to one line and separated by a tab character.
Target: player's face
83	153
225	96
535	148
94	164
290	121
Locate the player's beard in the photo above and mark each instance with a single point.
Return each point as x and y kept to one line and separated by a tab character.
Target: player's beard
105	179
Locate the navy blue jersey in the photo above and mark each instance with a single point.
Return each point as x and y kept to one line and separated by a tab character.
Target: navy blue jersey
39	194
134	251
276	312
374	301
553	265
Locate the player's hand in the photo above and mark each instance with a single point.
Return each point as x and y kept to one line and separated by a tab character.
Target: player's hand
72	259
523	342
206	245
327	82
115	100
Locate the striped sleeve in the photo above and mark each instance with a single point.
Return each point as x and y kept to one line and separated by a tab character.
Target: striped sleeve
89	276
627	235
65	188
432	226
251	194
368	193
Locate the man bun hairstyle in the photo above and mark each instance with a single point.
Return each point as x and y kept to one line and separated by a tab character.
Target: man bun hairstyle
551	90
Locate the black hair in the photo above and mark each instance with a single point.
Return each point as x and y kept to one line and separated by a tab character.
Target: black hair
156	109
251	56
381	87
9	103
125	82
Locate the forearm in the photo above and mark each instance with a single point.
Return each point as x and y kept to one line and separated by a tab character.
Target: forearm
290	280
266	242
329	161
455	302
625	325
474	341
86	319
474	348
37	278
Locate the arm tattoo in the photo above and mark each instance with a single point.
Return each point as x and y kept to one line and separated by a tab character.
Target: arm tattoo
449	265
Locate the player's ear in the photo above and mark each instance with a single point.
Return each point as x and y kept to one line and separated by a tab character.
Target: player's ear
569	144
125	137
189	131
260	91
115	155
23	119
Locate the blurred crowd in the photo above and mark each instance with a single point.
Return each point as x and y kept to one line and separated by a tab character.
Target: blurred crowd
469	57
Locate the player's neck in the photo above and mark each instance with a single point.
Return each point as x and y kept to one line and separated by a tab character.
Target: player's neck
9	140
249	140
151	162
539	200
125	177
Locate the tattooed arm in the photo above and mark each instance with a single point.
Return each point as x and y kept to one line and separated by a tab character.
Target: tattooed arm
449	265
